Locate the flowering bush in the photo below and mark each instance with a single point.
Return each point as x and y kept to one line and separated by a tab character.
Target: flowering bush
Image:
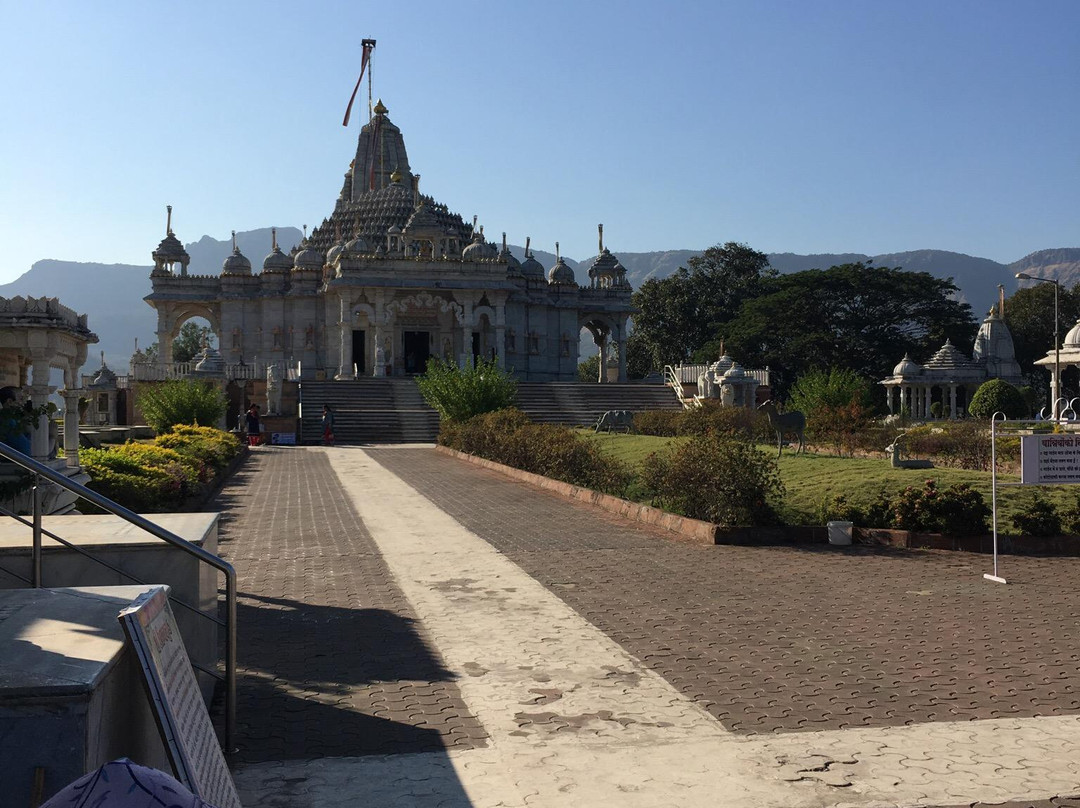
958	510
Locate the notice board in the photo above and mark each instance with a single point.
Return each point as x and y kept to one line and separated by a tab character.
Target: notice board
1049	459
176	700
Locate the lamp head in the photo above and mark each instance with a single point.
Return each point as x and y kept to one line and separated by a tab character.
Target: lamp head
1023	276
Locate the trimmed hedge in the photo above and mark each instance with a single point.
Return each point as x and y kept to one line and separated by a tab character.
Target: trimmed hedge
509	437
161	475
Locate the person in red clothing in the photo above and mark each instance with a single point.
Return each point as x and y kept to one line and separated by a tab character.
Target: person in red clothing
327	425
253	426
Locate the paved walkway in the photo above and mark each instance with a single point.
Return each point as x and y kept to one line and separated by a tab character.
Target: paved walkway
525	650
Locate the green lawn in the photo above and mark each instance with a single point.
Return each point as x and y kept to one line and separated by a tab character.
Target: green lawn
809	479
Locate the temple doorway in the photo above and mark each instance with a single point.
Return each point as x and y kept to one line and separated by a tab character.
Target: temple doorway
416	351
358	353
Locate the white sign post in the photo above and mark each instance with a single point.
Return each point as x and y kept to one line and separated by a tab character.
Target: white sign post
175	698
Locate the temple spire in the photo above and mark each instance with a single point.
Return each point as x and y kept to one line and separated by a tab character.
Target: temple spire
234	241
273	239
504	241
528	239
557	258
600	227
168	221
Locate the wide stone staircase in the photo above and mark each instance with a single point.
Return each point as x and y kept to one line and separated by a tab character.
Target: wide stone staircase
577	404
368	410
371	410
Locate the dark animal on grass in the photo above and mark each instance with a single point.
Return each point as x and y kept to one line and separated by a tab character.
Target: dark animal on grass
793	422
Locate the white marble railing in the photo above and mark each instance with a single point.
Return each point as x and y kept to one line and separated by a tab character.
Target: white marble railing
688	374
156	372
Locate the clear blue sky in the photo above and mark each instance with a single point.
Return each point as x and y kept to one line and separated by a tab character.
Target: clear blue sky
825	126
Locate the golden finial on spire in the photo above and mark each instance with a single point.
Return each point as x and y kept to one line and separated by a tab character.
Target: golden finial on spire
380	108
395	175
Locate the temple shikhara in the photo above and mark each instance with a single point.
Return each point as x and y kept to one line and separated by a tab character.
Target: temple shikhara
389	279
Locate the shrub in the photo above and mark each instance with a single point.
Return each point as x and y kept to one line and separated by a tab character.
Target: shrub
209	447
710	477
957	511
160	475
508	437
1037	518
458	394
180	401
960	444
711	417
997	395
837	508
837	405
936	409
123	478
1070	517
662	423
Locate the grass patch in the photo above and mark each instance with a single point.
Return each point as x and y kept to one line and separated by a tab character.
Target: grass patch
811	478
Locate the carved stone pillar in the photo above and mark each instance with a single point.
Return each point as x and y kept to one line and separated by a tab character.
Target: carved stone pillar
39	397
345	367
603	360
500	335
71	427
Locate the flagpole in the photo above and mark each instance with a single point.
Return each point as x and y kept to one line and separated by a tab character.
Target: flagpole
369	43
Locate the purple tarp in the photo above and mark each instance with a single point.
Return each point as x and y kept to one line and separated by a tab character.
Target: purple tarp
123	784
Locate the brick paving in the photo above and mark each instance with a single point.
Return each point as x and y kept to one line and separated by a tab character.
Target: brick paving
331	659
783	639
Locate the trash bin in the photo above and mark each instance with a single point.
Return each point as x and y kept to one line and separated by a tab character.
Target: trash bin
839	533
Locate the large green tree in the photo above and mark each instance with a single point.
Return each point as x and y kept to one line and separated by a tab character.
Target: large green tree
1029	313
854	316
190	341
680	313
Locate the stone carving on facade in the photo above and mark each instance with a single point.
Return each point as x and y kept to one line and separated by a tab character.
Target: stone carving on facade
273	389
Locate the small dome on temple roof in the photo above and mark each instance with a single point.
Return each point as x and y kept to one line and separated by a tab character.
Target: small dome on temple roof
531	268
907	367
561	274
236	264
734	372
308	258
478	249
277	261
356	246
604	265
1072	339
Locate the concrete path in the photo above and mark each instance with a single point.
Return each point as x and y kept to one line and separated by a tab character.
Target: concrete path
590	661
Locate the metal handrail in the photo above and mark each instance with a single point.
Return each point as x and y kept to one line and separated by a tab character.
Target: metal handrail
41	470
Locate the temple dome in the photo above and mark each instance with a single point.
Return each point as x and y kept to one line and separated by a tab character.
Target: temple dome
333	253
734	372
561	274
357	246
605	267
907	367
277	261
1072	339
308	258
478	250
531	268
236	264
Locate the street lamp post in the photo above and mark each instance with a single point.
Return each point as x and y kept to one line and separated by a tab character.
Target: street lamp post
1023	276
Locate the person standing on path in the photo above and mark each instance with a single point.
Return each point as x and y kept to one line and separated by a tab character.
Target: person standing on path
327	425
253	428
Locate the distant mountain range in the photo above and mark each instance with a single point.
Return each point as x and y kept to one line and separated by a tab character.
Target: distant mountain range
111	294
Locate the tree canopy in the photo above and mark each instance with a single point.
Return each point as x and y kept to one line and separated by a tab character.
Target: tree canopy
1029	313
853	316
680	313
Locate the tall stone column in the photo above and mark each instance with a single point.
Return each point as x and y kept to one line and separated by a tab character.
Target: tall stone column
71	427
466	334
500	335
890	399
603	360
39	396
345	366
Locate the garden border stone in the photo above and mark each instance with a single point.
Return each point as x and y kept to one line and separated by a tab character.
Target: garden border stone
681	527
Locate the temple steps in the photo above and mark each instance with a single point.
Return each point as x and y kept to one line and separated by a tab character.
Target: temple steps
577	404
372	410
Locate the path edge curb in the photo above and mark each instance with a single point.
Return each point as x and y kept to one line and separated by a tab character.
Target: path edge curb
683	528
